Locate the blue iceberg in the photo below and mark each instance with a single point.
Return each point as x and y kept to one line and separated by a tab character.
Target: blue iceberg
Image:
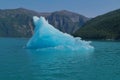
46	36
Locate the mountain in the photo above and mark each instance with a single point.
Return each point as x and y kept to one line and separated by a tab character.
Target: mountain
105	26
67	21
18	22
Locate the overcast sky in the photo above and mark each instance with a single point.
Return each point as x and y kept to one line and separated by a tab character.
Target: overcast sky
89	8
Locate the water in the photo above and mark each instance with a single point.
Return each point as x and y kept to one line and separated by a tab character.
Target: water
17	63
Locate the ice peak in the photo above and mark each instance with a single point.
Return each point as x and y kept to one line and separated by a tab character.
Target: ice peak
42	20
35	18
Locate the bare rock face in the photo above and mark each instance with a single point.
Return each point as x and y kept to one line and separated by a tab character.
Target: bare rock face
67	21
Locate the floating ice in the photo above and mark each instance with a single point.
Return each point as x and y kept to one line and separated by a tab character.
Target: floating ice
46	36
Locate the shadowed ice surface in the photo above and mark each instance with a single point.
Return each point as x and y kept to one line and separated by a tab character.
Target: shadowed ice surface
47	37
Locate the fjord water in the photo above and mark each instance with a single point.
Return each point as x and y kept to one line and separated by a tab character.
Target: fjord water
18	63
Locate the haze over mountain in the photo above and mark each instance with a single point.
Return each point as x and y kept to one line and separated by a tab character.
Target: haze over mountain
105	26
18	22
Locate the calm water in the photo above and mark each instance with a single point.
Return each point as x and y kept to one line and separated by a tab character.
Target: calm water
17	63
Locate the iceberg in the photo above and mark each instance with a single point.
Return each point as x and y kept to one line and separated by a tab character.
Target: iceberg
47	36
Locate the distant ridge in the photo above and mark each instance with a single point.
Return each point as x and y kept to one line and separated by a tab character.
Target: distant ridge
18	22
